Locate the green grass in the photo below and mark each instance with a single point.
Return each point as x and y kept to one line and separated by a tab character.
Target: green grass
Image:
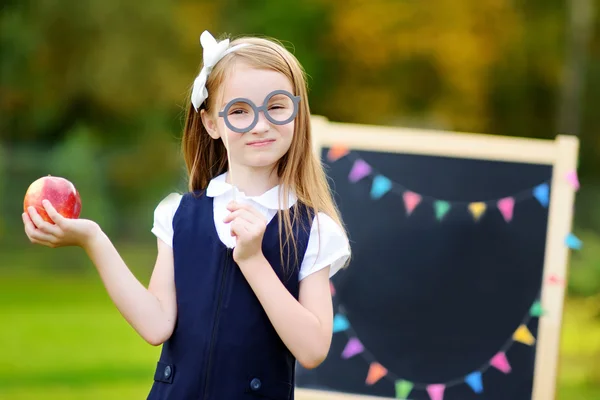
64	339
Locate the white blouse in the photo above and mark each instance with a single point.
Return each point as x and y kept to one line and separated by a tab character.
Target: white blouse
327	244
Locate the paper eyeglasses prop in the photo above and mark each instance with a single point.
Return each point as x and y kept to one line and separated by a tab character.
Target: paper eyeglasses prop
241	115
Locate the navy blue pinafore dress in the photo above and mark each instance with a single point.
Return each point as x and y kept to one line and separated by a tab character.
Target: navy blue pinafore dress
223	346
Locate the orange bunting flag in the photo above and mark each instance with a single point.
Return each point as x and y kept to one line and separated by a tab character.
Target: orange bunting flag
336	152
477	209
376	372
523	335
411	201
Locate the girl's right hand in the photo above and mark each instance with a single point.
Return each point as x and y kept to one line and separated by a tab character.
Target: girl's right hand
64	231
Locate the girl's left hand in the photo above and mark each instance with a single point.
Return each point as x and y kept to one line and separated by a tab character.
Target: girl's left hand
248	227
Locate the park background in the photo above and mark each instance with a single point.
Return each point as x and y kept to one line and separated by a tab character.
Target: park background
95	91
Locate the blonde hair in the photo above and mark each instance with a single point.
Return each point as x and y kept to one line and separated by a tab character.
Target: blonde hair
299	170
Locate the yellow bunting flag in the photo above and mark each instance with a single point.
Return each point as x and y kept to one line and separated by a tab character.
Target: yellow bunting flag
523	335
477	209
376	372
336	152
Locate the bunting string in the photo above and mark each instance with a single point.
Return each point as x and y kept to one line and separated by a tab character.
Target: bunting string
403	386
382	185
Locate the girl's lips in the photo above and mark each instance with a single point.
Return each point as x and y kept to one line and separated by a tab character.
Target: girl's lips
261	143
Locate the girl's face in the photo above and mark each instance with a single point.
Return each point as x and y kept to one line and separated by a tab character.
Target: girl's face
264	144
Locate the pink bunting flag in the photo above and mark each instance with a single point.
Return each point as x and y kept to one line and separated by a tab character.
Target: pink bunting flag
436	391
500	362
573	180
506	207
411	201
359	170
556	280
353	347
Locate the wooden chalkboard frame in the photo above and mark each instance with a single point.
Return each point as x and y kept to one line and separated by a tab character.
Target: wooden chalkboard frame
561	153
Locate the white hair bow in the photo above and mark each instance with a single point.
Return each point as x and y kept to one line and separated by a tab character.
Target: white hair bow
213	52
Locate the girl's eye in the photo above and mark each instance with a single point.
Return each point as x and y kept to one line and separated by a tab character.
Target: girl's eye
232	112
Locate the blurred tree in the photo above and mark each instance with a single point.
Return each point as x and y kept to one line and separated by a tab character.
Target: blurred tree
87	61
3	189
419	60
76	158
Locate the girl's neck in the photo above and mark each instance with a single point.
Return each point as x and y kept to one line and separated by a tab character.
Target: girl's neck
253	181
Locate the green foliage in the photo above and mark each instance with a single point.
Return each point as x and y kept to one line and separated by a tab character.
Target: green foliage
584	270
3	187
77	159
96	90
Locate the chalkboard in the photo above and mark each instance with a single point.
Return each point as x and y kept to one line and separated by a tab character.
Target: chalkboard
460	249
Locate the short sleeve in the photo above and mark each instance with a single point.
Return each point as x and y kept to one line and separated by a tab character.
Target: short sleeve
163	218
327	246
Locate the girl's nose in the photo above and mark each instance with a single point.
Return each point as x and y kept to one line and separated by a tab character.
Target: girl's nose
262	125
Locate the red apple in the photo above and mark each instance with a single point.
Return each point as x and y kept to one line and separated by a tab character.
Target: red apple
61	193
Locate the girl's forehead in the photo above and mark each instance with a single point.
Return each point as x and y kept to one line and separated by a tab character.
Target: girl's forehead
253	83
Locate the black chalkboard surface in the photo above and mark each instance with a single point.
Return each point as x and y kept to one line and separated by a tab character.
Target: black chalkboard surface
443	297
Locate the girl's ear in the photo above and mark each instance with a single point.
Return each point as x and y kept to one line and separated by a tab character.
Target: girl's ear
209	124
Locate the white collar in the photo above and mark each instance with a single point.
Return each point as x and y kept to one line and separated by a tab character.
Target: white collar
218	187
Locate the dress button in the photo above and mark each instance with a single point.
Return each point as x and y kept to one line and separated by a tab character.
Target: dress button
255	384
167	372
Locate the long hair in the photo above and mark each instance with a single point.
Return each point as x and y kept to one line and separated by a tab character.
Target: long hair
299	170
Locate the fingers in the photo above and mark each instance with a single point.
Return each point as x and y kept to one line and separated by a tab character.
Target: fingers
36	235
52	213
233	206
250	217
40	224
240	227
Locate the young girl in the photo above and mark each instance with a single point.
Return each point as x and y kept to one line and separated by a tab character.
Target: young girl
240	288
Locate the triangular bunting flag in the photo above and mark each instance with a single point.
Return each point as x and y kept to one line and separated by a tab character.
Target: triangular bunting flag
340	323
403	389
500	362
573	242
441	209
523	335
573	180
381	185
474	380
506	207
336	152
477	209
376	372
536	309
436	391
353	347
542	194
556	280
359	170
411	201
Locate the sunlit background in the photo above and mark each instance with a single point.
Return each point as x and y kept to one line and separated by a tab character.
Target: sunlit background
95	91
